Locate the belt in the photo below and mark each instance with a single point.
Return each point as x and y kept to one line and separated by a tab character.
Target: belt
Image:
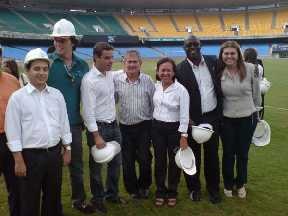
102	123
50	149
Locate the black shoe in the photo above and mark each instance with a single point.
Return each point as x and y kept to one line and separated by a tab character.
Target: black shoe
144	193
215	197
116	200
136	196
99	206
195	196
83	207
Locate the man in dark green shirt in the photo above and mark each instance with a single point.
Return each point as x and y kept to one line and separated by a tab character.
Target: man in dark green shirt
66	73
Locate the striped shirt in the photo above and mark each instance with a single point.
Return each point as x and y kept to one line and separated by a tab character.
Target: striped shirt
135	99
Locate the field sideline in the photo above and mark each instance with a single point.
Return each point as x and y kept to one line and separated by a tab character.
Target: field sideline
267	172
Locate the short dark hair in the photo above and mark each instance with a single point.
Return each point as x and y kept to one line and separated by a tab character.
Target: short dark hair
162	61
250	55
99	47
74	42
133	51
50	49
12	65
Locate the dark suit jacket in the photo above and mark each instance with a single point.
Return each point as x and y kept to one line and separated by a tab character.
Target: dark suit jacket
186	77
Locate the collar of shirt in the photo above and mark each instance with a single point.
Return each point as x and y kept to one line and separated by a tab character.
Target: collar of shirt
55	56
97	72
202	62
30	88
170	88
124	78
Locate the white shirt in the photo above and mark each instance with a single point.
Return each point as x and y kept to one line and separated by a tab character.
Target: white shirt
97	95
172	105
206	86
36	119
260	70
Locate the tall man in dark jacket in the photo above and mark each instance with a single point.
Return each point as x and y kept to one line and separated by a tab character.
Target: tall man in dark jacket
198	74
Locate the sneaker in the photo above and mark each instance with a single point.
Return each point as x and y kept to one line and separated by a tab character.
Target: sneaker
242	192
83	207
99	206
195	196
228	193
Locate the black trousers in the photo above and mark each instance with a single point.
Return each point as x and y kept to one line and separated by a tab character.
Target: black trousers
44	169
236	135
211	159
165	137
136	142
7	168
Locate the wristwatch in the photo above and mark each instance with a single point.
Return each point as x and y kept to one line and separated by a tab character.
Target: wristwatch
184	135
67	147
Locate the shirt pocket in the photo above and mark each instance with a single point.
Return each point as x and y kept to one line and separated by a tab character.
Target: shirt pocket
54	115
27	117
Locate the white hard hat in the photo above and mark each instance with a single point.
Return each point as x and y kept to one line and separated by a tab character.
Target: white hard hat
262	134
185	160
106	154
63	28
264	86
35	54
202	133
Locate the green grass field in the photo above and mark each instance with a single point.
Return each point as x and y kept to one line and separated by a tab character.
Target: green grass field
268	169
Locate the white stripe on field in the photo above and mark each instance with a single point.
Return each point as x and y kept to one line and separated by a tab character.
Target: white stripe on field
279	108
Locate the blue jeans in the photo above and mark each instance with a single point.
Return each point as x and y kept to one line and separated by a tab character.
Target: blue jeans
236	135
76	165
108	132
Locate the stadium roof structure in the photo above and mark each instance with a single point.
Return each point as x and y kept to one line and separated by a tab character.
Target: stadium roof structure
139	4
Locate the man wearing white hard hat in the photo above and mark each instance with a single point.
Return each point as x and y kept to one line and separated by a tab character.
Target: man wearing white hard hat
36	125
66	73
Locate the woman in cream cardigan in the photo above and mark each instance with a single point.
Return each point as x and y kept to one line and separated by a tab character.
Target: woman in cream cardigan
241	96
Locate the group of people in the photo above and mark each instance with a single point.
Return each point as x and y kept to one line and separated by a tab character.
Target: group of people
41	127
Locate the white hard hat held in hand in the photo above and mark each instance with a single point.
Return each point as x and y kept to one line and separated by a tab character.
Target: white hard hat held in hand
262	134
202	133
63	28
35	54
106	154
264	86
185	160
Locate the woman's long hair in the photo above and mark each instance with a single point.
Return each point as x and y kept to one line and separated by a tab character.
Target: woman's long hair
240	62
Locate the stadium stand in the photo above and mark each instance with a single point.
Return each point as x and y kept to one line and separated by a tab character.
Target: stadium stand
13	23
234	20
281	20
260	23
170	25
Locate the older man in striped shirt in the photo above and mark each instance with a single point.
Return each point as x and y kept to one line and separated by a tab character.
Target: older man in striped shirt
134	91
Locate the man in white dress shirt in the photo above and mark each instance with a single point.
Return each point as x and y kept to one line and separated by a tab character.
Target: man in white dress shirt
99	114
36	122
